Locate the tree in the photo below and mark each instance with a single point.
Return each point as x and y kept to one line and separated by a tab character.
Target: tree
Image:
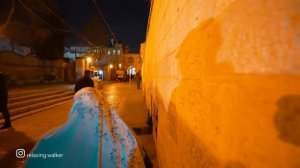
49	35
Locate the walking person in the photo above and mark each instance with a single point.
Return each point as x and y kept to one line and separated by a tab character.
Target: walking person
130	78
3	102
94	136
138	79
84	81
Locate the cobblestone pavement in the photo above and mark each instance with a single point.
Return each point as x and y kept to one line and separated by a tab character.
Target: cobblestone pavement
27	130
128	101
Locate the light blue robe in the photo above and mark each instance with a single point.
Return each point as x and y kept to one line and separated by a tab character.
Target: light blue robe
94	136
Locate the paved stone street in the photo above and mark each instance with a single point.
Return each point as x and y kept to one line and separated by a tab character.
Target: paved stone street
27	129
128	101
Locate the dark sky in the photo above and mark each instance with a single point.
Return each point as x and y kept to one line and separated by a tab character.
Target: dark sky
127	18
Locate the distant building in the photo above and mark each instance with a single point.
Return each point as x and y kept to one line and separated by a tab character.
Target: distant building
9	45
80	51
105	61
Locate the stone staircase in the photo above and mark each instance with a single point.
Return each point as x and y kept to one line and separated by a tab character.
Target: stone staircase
28	100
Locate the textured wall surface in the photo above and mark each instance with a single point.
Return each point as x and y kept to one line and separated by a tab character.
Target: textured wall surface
222	78
25	70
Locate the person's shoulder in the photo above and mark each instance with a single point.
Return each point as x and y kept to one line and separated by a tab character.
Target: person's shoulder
80	79
86	78
91	80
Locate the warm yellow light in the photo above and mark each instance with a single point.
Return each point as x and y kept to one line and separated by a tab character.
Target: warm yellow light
88	59
120	65
111	66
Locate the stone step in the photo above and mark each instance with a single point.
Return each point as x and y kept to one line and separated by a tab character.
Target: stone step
17	93
39	98
31	107
34	95
27	100
19	116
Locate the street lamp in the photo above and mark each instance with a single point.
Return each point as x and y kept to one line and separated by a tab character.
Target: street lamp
89	59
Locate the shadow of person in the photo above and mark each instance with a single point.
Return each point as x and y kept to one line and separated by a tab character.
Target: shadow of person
10	141
287	119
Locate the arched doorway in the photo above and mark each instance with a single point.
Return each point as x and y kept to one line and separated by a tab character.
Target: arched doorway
97	72
131	71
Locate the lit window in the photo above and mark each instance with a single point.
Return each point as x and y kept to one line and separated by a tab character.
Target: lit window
114	52
119	52
108	52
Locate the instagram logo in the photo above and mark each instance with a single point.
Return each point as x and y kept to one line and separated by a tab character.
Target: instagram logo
20	153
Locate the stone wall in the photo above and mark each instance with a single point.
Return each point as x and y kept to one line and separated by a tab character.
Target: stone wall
221	79
24	70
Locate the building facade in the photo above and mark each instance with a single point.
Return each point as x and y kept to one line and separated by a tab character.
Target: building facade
103	61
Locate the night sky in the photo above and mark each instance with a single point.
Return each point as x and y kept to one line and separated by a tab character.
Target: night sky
127	18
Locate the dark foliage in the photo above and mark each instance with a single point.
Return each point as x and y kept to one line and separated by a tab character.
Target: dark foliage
48	41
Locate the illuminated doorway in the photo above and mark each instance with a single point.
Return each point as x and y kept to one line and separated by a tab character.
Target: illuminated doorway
131	73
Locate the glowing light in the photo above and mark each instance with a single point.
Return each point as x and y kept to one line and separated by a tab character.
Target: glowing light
111	66
100	72
88	59
120	65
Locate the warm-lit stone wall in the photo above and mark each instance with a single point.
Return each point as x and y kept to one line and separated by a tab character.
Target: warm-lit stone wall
224	78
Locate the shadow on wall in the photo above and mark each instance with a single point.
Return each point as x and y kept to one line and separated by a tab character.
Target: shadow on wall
188	150
234	164
287	119
176	138
178	125
212	101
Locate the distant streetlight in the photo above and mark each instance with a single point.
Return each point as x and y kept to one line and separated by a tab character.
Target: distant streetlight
89	59
120	66
111	66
